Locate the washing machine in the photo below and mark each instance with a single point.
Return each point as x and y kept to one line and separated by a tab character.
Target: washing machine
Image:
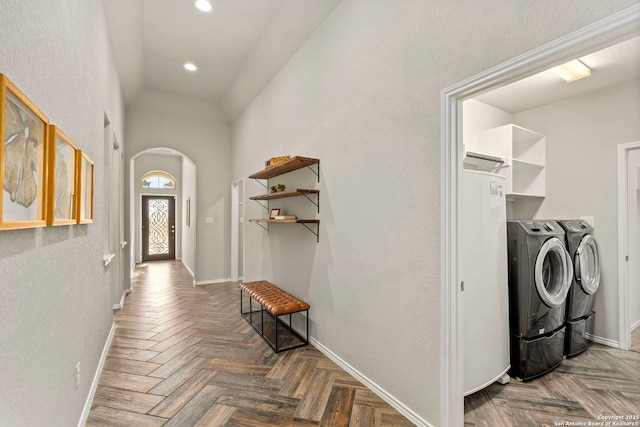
540	275
579	314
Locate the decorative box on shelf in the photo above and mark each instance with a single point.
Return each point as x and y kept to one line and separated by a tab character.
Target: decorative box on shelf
285	217
294	163
275	160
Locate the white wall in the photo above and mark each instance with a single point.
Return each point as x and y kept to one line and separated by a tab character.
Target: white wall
582	135
363	95
199	131
55	309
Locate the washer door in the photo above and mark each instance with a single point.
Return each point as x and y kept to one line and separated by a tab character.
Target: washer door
553	272
587	265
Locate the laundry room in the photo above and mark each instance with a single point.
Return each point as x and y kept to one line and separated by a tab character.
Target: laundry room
555	147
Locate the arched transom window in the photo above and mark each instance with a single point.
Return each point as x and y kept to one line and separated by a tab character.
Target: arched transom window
158	179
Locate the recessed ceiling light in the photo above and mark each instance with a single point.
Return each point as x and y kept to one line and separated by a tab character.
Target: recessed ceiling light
190	66
204	5
572	71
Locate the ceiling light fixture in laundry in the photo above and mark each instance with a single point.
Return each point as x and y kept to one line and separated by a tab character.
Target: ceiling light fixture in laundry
190	66
572	71
204	5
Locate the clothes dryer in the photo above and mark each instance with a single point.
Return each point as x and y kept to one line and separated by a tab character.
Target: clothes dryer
540	274
579	314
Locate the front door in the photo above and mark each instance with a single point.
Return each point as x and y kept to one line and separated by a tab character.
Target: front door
158	228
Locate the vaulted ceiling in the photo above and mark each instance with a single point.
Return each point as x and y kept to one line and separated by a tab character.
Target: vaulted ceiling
238	47
241	44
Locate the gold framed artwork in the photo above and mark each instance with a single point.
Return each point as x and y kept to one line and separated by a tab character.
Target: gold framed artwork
62	171
23	173
84	188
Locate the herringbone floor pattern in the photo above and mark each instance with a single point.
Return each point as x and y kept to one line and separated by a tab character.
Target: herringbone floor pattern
183	356
602	381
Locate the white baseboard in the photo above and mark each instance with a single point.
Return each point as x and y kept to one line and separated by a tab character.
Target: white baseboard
121	304
603	341
212	281
96	378
384	395
188	268
635	326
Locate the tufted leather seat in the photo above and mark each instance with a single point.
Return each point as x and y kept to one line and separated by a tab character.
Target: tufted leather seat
274	299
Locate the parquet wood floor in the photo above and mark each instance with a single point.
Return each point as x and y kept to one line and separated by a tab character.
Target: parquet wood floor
183	356
599	382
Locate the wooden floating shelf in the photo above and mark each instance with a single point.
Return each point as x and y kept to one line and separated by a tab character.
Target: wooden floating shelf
282	194
290	165
303	222
290	221
294	163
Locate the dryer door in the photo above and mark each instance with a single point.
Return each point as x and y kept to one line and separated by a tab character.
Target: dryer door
553	272
587	265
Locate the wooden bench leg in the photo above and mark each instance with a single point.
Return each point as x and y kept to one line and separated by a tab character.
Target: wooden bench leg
306	314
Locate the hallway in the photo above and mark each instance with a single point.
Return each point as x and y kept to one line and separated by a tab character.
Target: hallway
183	356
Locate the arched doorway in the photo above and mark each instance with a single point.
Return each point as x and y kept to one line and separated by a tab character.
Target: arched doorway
162	183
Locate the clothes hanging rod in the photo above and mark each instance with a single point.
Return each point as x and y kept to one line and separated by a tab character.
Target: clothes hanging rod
487	157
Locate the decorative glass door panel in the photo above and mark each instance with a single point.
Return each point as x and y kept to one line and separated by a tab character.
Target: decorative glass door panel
158	228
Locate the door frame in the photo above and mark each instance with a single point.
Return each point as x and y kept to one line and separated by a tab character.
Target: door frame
175	215
624	334
236	216
606	32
